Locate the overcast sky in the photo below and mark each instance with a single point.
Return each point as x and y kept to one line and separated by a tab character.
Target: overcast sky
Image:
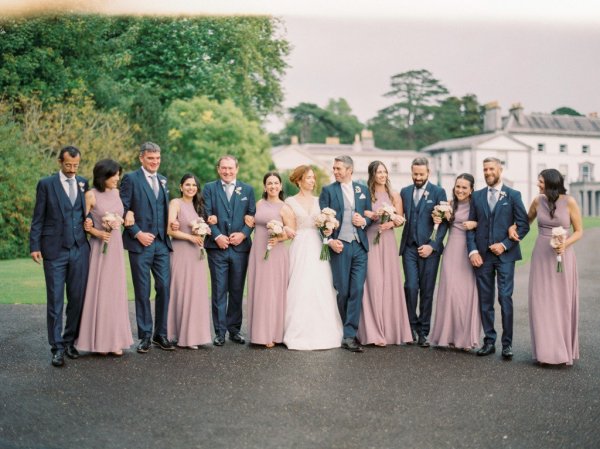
541	65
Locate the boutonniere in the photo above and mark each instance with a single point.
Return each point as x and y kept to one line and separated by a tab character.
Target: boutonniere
501	195
163	182
357	189
426	193
81	186
238	190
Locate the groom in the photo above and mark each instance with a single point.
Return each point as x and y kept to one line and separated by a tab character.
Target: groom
495	208
349	245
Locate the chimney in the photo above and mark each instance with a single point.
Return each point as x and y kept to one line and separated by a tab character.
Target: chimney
294	140
492	119
357	145
332	141
517	110
368	143
593	115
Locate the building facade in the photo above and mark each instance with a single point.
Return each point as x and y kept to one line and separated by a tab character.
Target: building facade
527	144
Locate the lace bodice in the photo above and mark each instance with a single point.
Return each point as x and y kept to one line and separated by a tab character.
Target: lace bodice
304	219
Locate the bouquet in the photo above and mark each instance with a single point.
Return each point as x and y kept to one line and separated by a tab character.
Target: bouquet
559	235
200	228
109	222
275	229
444	211
386	213
326	221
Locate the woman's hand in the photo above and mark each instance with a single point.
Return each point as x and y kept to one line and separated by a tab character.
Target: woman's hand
103	235
212	220
469	225
436	219
249	221
386	226
273	241
289	232
512	233
129	219
327	232
115	224
88	224
371	215
197	239
398	220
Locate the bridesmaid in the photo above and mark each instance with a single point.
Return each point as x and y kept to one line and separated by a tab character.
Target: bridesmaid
457	321
268	279
105	324
554	296
188	322
384	318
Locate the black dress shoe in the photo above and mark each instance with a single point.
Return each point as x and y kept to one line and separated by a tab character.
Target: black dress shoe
414	337
144	345
487	349
237	338
58	358
219	340
163	343
507	352
422	342
72	352
351	345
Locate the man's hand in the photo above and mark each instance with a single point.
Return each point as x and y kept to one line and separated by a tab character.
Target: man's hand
336	245
425	251
476	260
145	238
36	256
236	238
497	248
222	241
358	220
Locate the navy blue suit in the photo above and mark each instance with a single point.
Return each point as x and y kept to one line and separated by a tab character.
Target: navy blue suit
228	266
57	231
349	268
420	273
492	227
151	215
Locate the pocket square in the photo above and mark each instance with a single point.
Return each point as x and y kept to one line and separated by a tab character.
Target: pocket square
362	196
244	199
429	201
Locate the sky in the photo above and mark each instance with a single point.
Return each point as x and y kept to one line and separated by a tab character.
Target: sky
540	53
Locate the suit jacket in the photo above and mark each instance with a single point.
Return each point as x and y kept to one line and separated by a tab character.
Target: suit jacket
493	227
138	197
424	222
230	214
49	224
333	197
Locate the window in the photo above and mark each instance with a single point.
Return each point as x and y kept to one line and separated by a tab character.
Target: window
461	158
395	167
541	147
562	148
449	161
564	170
585	149
585	172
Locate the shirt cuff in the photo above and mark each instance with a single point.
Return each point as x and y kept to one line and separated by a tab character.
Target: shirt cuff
473	252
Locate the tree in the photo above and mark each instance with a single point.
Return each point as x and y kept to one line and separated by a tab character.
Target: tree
201	130
565	110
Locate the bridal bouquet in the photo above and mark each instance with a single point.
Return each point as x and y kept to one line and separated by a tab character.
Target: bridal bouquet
386	212
110	222
444	211
200	228
326	221
559	235
275	228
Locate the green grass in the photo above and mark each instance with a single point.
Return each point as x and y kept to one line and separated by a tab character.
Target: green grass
22	280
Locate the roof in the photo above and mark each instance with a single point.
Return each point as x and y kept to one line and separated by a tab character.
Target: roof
465	143
538	123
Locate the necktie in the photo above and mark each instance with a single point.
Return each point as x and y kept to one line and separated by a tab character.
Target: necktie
72	192
347	190
228	189
418	194
154	185
492	200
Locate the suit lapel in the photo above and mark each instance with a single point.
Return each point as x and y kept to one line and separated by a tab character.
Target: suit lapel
234	198
60	193
337	188
221	193
486	206
149	192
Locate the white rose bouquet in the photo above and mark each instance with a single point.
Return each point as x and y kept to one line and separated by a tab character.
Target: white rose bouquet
559	236
444	211
200	228
110	222
275	228
326	221
386	212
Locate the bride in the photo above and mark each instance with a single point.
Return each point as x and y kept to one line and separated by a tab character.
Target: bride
312	320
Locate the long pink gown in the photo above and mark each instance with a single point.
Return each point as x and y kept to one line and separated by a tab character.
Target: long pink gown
188	319
457	319
384	318
267	280
553	296
104	323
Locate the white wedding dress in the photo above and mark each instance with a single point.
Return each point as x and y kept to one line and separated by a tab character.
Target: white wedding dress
312	320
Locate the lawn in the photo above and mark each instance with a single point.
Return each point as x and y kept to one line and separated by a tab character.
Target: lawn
22	280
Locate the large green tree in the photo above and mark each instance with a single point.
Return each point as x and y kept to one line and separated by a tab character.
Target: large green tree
201	130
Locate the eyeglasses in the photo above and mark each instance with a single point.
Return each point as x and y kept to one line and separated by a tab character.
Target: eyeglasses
70	166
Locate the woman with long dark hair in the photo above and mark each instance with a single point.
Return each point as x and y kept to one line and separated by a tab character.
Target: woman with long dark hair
554	294
268	272
188	323
457	320
384	317
104	326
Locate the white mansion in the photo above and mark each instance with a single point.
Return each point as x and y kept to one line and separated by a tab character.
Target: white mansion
528	144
